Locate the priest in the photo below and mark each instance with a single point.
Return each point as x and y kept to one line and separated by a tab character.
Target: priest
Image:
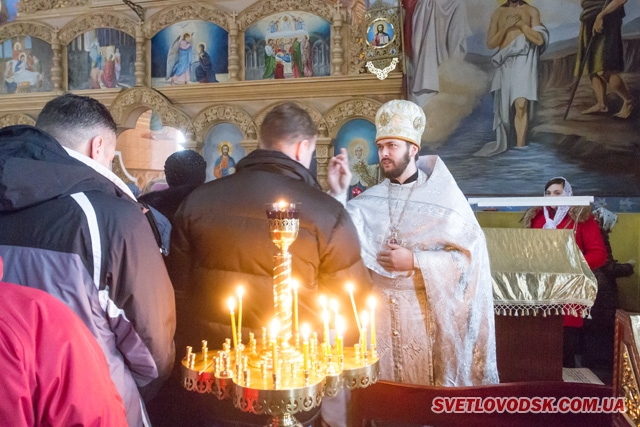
428	259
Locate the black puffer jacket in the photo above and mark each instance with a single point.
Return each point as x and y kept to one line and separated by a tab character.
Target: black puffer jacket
221	240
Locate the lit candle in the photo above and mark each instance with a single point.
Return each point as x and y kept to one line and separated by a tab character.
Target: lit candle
364	319
232	303
353	304
339	336
305	346
325	320
372	308
240	292
334	307
294	287
275	328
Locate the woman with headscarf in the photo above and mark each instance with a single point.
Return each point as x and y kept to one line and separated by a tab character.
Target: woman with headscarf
589	240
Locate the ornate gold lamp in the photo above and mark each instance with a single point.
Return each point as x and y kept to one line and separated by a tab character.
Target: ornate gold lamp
281	379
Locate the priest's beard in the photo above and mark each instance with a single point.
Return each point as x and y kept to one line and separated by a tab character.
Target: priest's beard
398	167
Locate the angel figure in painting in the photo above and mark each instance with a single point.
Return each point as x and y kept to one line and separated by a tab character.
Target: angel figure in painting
179	60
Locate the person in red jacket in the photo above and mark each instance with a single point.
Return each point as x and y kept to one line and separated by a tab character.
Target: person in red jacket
52	370
589	240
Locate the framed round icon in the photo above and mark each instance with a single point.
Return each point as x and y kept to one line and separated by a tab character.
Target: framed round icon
380	33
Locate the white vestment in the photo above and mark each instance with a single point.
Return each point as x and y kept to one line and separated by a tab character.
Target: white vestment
439	31
435	324
516	77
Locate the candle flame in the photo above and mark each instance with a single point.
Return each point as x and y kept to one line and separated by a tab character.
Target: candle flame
350	287
294	285
340	326
274	328
371	301
334	305
240	292
323	302
305	330
364	319
325	316
231	303
282	205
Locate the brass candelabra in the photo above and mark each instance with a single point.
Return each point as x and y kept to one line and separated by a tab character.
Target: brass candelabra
281	379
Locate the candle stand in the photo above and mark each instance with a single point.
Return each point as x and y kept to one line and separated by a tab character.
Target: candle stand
282	378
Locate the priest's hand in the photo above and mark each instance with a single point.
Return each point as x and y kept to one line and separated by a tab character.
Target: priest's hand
395	258
339	175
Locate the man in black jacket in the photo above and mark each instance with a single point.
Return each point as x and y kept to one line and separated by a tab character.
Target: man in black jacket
72	228
221	237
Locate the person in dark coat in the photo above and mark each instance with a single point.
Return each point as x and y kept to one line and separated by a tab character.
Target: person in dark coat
72	228
221	240
184	171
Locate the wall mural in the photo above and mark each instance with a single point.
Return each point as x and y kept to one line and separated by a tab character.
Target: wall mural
102	58
189	52
222	150
358	136
8	10
25	65
287	45
495	97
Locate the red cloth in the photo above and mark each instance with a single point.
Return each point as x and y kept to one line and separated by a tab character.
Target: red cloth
52	370
589	241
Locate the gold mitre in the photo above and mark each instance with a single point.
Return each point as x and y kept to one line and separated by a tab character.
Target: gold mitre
402	120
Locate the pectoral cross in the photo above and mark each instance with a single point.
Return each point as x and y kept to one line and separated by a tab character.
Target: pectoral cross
234	15
393	238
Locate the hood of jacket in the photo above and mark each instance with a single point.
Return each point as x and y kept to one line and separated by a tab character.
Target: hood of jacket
277	162
576	213
35	168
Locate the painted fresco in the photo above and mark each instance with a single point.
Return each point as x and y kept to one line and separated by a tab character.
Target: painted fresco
358	136
8	10
102	58
25	65
287	45
498	146
190	52
222	150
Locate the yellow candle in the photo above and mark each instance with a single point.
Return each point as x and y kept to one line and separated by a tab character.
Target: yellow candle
339	335
363	333
334	308
325	320
372	308
240	292
231	303
353	304
294	287
275	328
305	346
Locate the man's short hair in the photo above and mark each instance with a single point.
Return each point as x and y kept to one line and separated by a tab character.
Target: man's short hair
286	124
69	118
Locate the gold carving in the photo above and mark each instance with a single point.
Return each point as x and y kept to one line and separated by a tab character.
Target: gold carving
31	6
356	48
16	119
33	29
185	12
139	99
315	115
96	20
364	108
227	114
262	9
629	387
